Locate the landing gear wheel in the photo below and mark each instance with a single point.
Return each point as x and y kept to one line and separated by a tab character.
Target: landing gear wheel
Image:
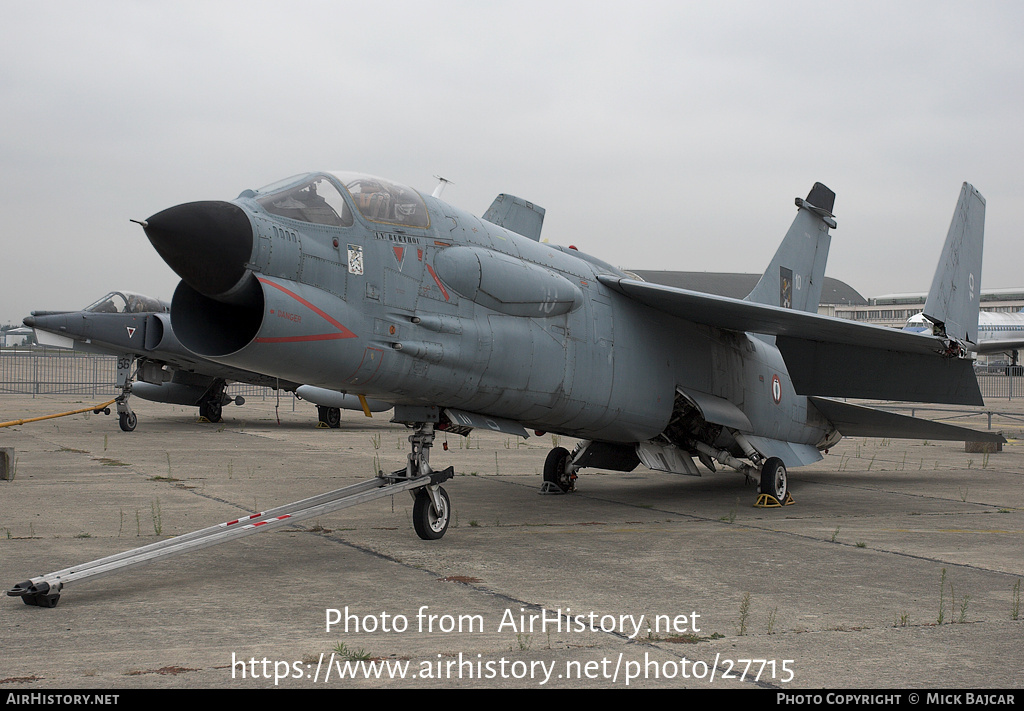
127	421
774	480
330	416
210	410
556	469
429	523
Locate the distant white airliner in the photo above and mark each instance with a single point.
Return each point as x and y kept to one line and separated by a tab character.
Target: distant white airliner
998	332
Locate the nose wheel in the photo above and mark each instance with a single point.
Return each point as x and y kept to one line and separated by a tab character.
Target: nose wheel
127	421
126	418
431	510
431	513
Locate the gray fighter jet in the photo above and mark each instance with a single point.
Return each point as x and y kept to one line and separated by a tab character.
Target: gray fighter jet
360	285
151	362
154	366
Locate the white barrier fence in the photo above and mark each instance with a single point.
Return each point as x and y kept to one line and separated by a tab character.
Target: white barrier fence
66	373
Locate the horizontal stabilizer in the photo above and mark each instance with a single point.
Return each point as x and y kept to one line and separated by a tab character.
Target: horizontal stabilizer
860	421
518	215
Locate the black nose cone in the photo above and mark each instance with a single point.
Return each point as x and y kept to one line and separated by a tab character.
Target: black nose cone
207	243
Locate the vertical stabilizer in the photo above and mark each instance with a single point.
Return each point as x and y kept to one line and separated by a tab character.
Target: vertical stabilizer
952	303
797	272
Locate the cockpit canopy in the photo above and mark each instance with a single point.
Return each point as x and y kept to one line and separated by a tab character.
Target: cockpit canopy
380	200
316	198
127	302
918	323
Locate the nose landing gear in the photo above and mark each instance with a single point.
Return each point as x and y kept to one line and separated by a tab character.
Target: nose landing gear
431	510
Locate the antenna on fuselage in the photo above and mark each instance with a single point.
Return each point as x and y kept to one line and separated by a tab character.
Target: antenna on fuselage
440	186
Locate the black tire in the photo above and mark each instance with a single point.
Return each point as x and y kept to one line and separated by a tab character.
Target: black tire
430	524
127	421
330	416
211	410
555	469
774	479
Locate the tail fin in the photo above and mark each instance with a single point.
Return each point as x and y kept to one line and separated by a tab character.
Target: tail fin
952	303
797	271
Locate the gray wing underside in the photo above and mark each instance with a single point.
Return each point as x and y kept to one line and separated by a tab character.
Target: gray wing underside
859	421
824	355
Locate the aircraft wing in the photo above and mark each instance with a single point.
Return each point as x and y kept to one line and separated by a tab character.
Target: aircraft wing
987	347
824	355
739	315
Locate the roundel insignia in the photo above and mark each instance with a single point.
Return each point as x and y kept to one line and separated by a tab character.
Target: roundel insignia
776	389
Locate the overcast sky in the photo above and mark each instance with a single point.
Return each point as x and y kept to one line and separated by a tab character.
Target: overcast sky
657	135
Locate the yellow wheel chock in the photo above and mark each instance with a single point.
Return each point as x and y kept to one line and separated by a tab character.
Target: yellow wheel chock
767	501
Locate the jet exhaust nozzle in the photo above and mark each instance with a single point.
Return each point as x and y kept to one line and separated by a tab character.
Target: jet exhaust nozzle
208	245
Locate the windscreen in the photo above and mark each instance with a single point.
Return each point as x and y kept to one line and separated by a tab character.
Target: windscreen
315	200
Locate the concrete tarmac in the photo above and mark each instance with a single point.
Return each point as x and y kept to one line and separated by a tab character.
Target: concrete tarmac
898	567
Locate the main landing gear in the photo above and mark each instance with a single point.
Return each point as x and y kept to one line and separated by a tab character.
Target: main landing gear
211	410
329	417
559	472
774	484
769	473
211	407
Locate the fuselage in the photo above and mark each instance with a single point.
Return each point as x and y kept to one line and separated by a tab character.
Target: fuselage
360	285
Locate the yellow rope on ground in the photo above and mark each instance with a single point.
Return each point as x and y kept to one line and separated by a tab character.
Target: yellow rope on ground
62	414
